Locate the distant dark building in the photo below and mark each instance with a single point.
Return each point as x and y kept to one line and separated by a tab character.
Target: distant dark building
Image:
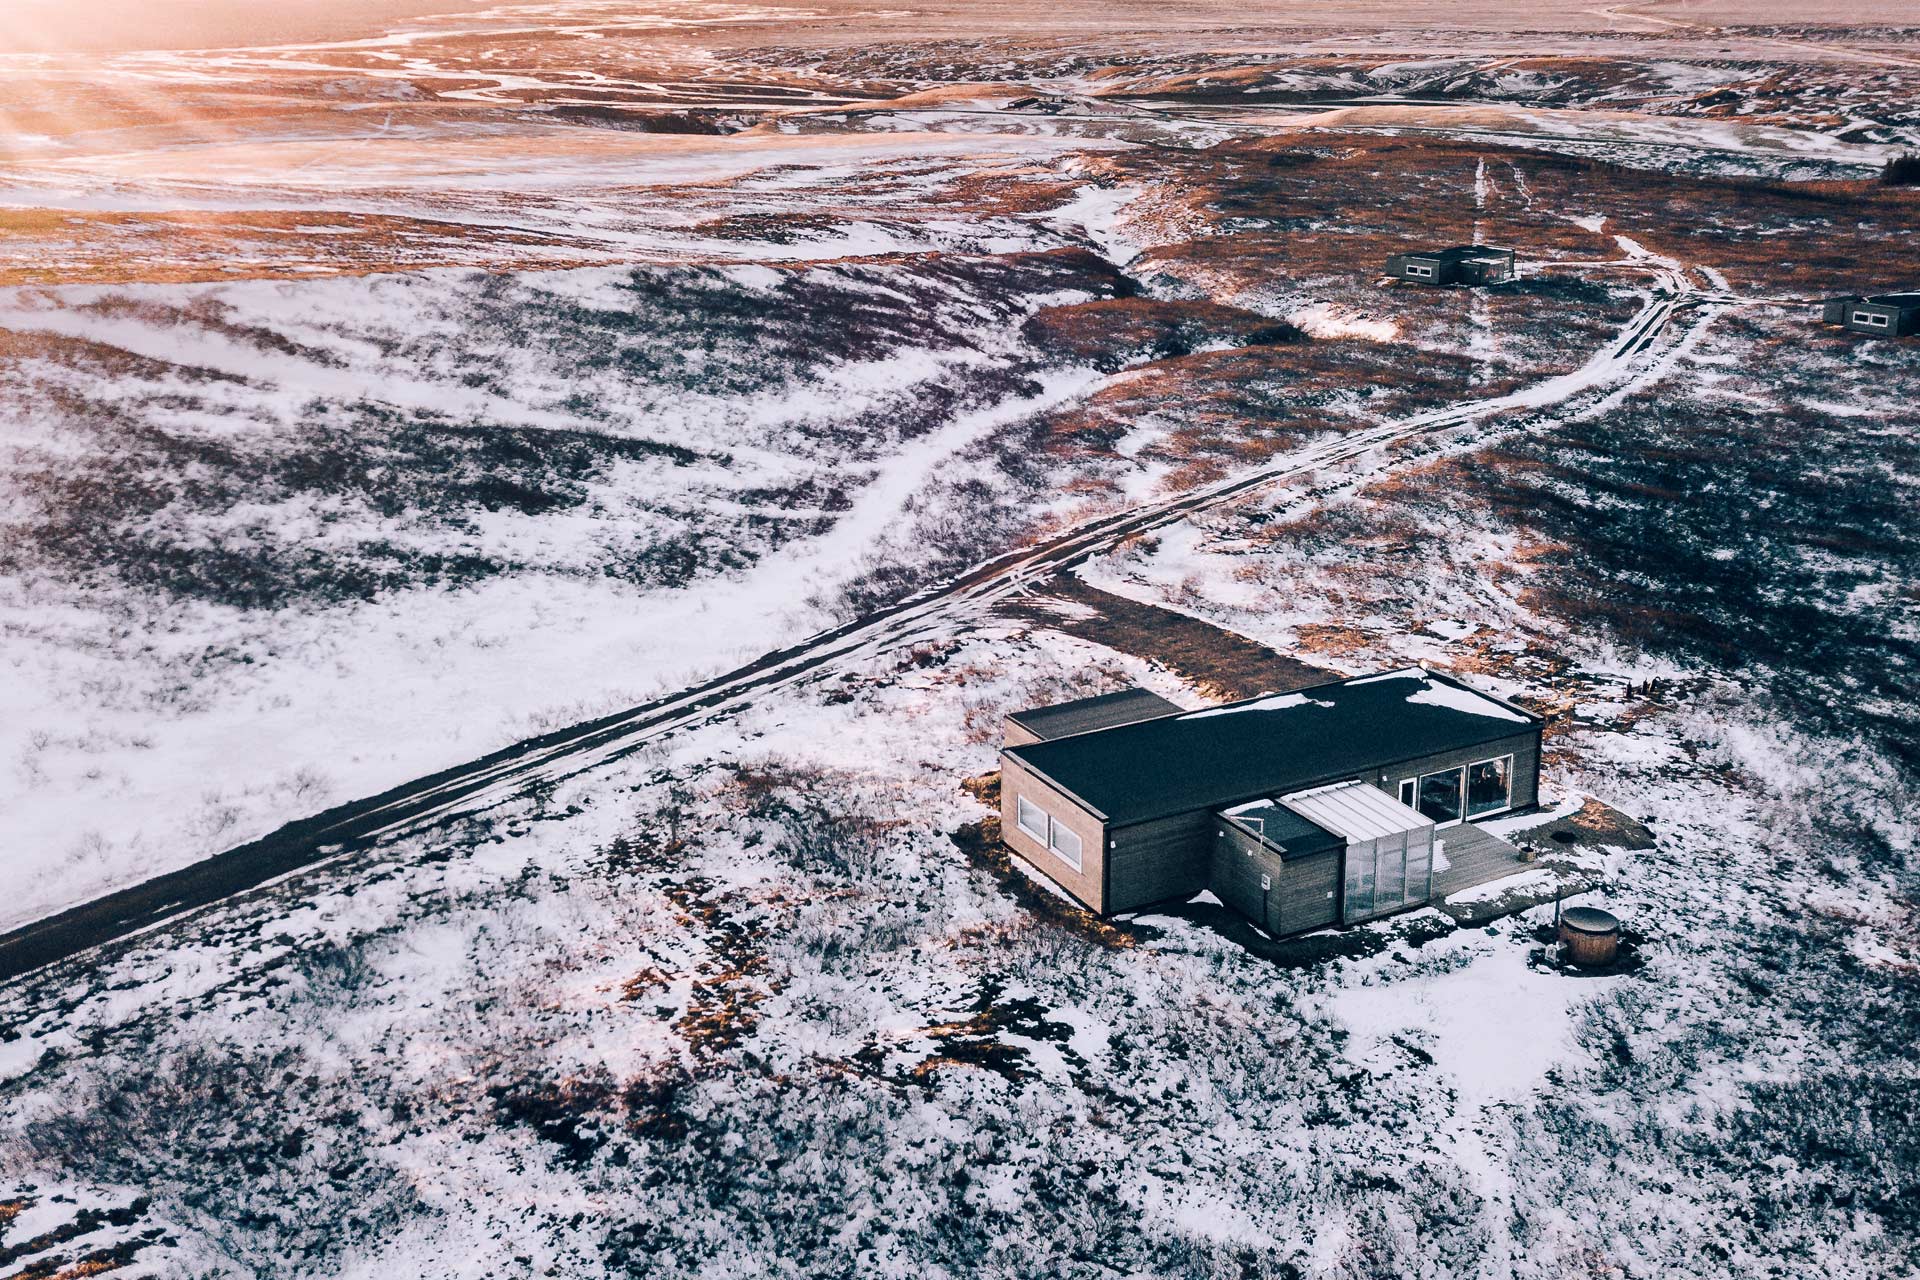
1462	264
1889	314
1301	810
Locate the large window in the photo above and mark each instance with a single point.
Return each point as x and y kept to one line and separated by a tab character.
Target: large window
1065	844
1873	318
1489	786
1032	819
1440	795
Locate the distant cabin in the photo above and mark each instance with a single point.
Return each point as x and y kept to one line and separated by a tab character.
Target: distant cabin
1889	314
1462	264
1328	805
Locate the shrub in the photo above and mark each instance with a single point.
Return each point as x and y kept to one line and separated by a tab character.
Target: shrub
1902	171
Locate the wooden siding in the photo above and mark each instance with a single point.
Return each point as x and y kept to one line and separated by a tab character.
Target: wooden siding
1172	857
1015	734
1084	885
1437	271
1312	892
1899	322
1524	747
1158	860
1901	319
1304	893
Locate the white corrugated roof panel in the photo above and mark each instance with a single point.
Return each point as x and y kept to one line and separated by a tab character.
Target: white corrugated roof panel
1356	810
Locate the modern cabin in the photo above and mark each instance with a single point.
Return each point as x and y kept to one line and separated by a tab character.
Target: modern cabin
1327	805
1462	264
1888	314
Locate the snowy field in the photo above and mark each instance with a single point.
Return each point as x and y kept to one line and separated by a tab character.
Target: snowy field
296	543
371	402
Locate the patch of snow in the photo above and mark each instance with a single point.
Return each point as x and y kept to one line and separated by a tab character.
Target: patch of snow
1331	320
1096	210
1492	891
1493	1027
1276	702
1453	698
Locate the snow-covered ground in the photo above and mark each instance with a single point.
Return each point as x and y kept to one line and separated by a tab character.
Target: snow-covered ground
764	997
647	514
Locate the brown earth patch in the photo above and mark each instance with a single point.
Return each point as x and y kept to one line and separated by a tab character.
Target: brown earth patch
1595	826
1221	664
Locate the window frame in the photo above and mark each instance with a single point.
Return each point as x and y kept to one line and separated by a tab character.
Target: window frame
1410	793
1871	318
1466	789
1020	806
1459	771
1056	828
1416	269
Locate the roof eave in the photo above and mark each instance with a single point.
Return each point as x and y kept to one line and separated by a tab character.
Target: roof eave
1051	781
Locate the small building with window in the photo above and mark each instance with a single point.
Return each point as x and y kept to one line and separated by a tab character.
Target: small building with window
1461	264
1327	805
1888	314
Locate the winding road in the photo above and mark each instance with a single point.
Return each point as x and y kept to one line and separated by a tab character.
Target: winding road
1633	357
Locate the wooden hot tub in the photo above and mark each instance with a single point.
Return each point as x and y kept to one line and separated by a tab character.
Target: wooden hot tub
1589	937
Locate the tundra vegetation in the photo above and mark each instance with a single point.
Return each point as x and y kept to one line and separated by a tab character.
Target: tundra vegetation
764	996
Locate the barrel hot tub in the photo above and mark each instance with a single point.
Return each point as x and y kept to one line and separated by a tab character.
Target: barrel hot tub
1589	937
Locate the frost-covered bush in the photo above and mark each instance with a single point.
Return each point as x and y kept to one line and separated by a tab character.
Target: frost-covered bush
257	1150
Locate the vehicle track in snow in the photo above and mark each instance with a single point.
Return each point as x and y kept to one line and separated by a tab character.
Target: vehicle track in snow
937	613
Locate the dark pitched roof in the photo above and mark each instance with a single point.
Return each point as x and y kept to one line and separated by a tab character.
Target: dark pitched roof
1224	755
1088	714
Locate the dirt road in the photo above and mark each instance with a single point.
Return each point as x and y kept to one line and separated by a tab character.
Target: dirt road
1633	357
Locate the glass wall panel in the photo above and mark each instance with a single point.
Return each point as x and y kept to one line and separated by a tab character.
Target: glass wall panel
1391	888
1359	881
1489	786
1440	795
1420	870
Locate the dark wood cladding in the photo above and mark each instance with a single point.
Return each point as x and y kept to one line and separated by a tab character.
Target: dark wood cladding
1524	747
1173	857
1158	860
1162	857
1301	893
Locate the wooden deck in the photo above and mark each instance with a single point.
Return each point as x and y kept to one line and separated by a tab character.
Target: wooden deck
1476	858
